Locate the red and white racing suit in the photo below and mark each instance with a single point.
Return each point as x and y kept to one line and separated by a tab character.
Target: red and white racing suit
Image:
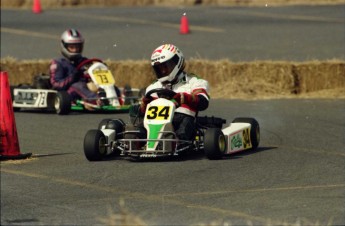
184	119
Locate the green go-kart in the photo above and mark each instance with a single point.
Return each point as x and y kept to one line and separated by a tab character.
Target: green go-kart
41	96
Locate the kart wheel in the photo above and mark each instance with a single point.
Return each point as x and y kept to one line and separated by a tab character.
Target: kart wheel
103	123
214	143
254	131
118	125
62	103
94	145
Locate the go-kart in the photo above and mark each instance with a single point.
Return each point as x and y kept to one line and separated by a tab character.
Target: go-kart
40	94
158	139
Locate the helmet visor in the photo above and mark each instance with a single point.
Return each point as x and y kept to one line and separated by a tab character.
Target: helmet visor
165	68
74	47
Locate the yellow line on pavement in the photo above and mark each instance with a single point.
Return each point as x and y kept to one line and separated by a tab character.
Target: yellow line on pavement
164	199
28	33
260	190
289	17
144	22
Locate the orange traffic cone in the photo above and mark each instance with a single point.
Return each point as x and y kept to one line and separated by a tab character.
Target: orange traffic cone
36	7
184	28
9	145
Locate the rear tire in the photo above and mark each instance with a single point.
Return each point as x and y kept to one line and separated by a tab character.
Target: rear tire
62	103
214	143
94	145
254	131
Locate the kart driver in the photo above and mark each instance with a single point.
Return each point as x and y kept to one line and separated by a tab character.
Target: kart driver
191	96
64	74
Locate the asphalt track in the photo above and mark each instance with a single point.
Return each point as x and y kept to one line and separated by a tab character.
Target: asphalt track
295	33
296	175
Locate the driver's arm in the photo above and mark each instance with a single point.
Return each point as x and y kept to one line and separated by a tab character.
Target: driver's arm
203	99
198	98
62	75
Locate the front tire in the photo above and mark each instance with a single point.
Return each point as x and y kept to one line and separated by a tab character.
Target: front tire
103	123
214	143
95	145
62	103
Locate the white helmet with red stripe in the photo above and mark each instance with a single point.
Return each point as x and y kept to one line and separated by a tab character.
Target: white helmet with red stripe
71	37
167	62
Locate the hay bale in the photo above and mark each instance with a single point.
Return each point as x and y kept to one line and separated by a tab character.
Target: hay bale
227	79
316	76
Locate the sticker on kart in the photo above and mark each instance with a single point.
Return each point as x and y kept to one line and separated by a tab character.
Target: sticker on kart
37	98
246	138
103	77
26	97
159	113
239	141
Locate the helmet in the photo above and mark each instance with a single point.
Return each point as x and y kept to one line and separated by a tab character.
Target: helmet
167	62
69	37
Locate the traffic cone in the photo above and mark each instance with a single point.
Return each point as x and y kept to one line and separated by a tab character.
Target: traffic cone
36	7
9	145
184	28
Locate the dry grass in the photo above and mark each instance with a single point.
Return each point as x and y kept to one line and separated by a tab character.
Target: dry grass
247	80
263	80
125	218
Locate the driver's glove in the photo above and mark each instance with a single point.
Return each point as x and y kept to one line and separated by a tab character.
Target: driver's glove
75	75
144	102
191	100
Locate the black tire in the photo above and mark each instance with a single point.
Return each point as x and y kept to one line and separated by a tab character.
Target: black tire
214	143
118	125
94	145
254	131
62	103
103	123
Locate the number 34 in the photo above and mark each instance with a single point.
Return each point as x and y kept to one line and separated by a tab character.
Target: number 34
158	113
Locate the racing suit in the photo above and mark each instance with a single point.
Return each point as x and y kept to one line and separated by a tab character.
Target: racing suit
65	76
184	118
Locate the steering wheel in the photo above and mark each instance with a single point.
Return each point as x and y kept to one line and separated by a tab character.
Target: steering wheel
88	61
162	93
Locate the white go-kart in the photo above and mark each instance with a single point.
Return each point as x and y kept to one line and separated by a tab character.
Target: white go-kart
40	95
158	139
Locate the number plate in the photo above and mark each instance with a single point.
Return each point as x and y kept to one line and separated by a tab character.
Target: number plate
158	113
26	97
246	139
103	77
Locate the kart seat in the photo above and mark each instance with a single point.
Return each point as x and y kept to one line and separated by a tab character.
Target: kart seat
42	81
